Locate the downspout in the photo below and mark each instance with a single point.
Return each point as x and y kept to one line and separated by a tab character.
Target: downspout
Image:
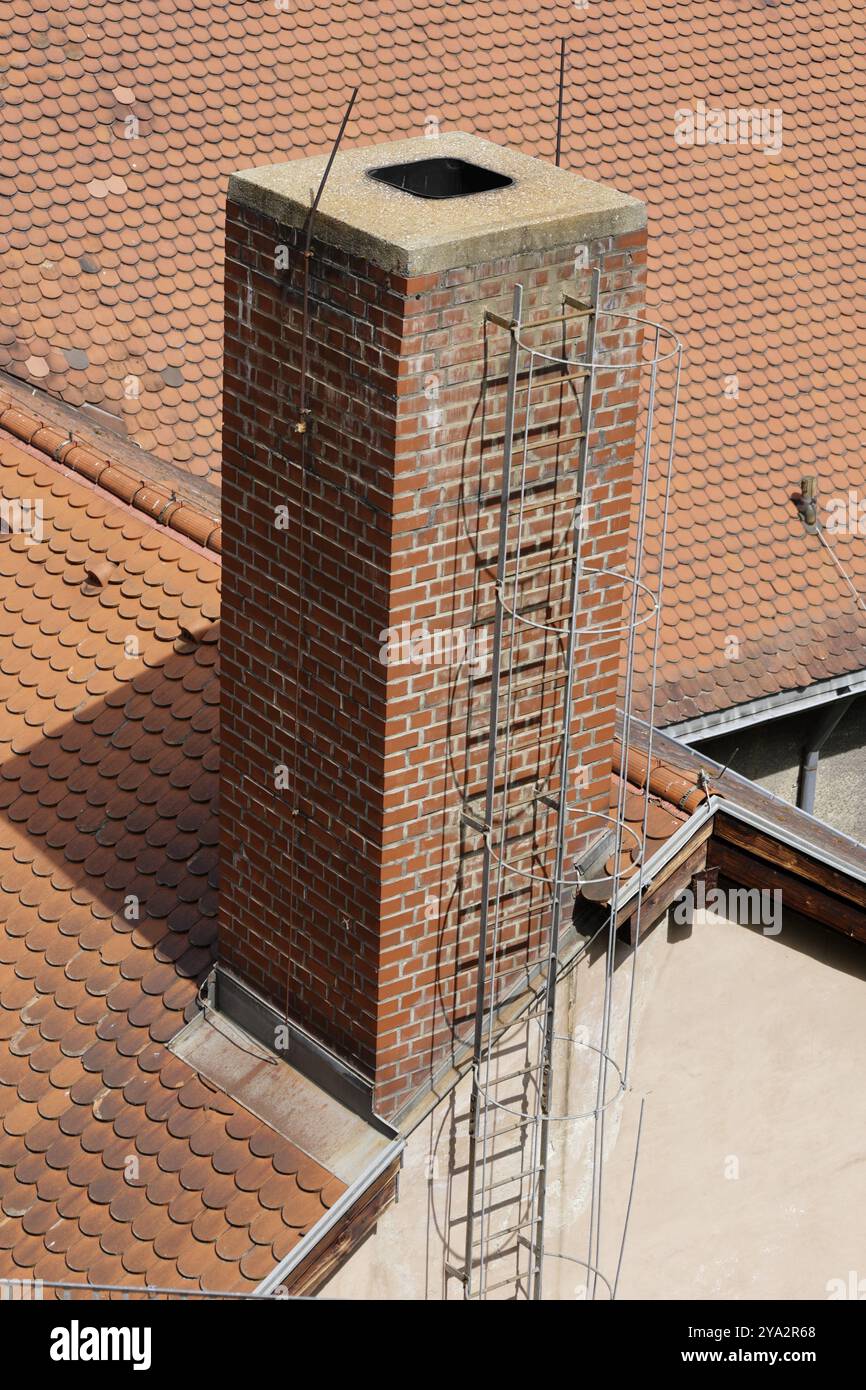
811	752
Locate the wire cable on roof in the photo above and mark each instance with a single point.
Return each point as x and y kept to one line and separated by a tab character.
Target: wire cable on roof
855	592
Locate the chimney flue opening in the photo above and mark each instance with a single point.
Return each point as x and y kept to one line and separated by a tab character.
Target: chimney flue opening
440	178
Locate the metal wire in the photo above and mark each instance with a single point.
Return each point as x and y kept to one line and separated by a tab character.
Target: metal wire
598	1135
666	496
855	592
630	1199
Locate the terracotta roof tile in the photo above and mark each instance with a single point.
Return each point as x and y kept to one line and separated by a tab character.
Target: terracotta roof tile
111	267
668	800
96	804
107	761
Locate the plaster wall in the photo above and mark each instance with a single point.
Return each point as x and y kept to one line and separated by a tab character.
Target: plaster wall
749	1053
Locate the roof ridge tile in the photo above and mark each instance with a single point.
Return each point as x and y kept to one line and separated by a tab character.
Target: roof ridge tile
161	504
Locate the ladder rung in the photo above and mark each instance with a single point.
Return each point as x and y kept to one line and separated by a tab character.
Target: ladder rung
483	357
524	1071
563	381
516	685
549	443
581	305
514	673
510	1100
551	683
504	1182
507	1231
560	514
500	1284
578	310
491	1158
497	438
538	444
520	914
475	822
501	378
514	1250
530	508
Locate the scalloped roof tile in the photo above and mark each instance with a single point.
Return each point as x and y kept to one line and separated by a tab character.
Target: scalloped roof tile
118	1164
119	143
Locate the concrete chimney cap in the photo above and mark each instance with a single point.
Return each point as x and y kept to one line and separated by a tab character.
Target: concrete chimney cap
540	208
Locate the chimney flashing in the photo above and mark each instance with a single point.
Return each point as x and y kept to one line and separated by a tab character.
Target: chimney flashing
540	208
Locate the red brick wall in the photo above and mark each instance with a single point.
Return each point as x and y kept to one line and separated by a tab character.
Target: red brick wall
300	910
359	915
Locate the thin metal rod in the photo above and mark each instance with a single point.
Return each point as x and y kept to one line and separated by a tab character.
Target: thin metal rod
308	236
630	1197
562	809
560	102
652	692
601	1081
126	1289
855	593
578	311
599	1135
561	381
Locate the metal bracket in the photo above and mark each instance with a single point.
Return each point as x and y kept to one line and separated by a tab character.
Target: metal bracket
476	822
579	304
508	324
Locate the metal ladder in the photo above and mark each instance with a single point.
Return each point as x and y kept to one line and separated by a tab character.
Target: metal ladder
509	1114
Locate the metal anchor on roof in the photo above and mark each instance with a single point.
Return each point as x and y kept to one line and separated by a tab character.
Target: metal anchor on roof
806	502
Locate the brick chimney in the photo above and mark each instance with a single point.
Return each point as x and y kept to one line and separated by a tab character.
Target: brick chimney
359	568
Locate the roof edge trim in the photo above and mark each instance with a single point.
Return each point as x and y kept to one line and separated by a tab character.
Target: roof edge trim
796	842
767	707
333	1216
671	847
